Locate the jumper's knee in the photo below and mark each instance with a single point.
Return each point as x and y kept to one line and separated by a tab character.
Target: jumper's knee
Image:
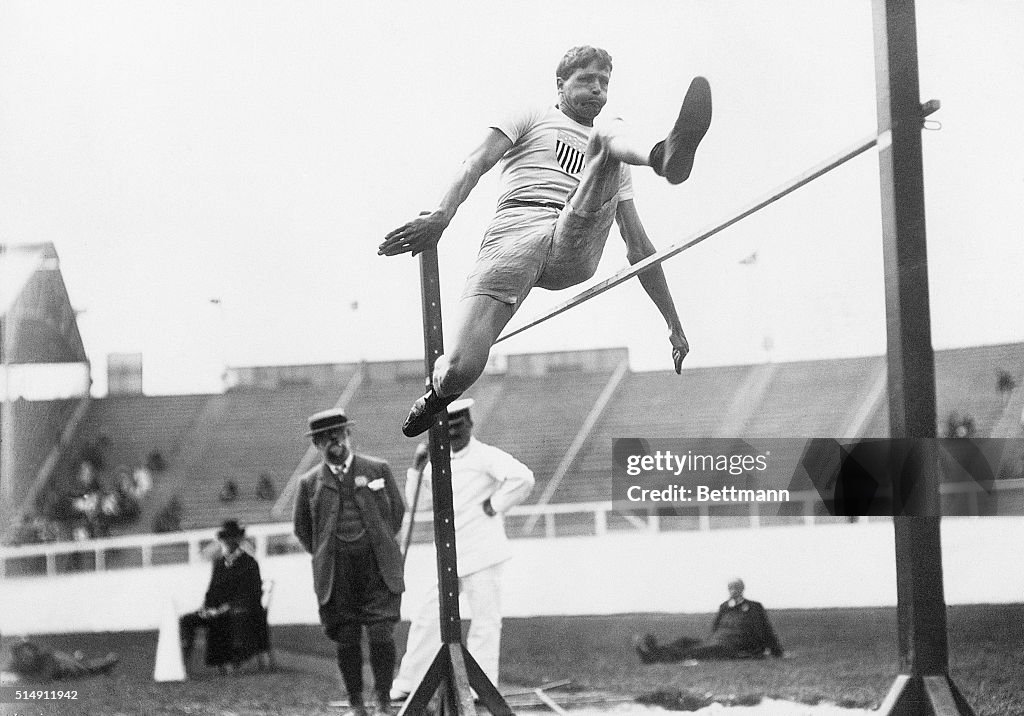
455	372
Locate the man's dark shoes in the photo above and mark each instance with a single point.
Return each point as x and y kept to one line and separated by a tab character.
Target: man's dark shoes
643	648
673	157
105	664
423	411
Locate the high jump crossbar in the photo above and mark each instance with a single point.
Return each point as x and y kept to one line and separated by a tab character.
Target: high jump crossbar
753	207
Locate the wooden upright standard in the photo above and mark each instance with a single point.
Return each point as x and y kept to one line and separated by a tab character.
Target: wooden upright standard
923	686
454	674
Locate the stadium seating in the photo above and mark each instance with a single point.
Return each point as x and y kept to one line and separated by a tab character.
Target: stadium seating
250	432
836	386
533	414
966	382
539	416
133	426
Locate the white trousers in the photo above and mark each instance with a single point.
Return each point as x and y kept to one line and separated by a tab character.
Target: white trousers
483	596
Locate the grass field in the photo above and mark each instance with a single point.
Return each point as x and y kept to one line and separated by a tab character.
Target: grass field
841	656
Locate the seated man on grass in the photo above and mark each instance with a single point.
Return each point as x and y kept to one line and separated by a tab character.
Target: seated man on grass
741	630
33	661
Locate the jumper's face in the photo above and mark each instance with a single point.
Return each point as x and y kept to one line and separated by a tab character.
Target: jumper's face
583	94
333	445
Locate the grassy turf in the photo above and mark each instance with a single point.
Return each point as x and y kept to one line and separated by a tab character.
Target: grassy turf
843	656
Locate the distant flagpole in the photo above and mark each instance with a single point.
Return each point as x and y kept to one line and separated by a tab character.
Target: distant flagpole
761	318
218	303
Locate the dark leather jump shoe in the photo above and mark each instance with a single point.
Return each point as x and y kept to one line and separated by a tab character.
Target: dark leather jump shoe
673	157
422	413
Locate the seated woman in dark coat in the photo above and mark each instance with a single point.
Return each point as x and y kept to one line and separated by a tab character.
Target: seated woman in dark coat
232	612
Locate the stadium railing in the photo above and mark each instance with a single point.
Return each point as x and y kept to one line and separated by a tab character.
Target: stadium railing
553	521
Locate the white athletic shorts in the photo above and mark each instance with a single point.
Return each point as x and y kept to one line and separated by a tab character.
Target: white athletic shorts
527	246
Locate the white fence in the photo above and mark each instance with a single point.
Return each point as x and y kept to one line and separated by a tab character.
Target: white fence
827	565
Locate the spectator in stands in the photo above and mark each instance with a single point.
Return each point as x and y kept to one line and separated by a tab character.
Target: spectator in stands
741	630
128	500
960	426
265	489
168	519
87	481
232	611
28	531
486	482
88	508
348	511
1005	382
229	491
111	509
142	480
31	660
94	452
49	530
155	461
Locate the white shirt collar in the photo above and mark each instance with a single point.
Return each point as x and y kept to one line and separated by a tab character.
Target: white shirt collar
342	469
463	451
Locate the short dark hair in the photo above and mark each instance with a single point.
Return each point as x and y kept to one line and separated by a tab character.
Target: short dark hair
582	56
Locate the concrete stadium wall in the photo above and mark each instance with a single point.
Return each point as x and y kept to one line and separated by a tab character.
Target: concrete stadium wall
822	566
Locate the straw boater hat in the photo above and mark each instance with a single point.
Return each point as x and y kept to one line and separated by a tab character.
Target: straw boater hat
330	419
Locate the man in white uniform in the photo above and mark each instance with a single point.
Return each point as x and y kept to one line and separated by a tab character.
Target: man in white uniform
564	180
486	482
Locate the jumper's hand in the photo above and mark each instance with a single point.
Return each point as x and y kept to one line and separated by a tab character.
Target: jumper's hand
680	347
418	235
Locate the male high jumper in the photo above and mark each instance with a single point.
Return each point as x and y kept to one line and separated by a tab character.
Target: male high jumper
563	181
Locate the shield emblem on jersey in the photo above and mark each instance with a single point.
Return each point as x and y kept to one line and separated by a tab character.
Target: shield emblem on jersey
570	155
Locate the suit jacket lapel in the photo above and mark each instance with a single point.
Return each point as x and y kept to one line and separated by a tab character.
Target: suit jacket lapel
327	478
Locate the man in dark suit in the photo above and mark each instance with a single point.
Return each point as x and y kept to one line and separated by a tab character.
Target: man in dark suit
348	511
232	611
741	630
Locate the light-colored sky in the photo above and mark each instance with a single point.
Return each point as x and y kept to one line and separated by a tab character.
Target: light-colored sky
257	152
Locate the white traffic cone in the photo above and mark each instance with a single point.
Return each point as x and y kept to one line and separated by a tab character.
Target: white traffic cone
170	665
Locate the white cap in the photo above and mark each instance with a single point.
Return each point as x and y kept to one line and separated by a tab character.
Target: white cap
460	405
